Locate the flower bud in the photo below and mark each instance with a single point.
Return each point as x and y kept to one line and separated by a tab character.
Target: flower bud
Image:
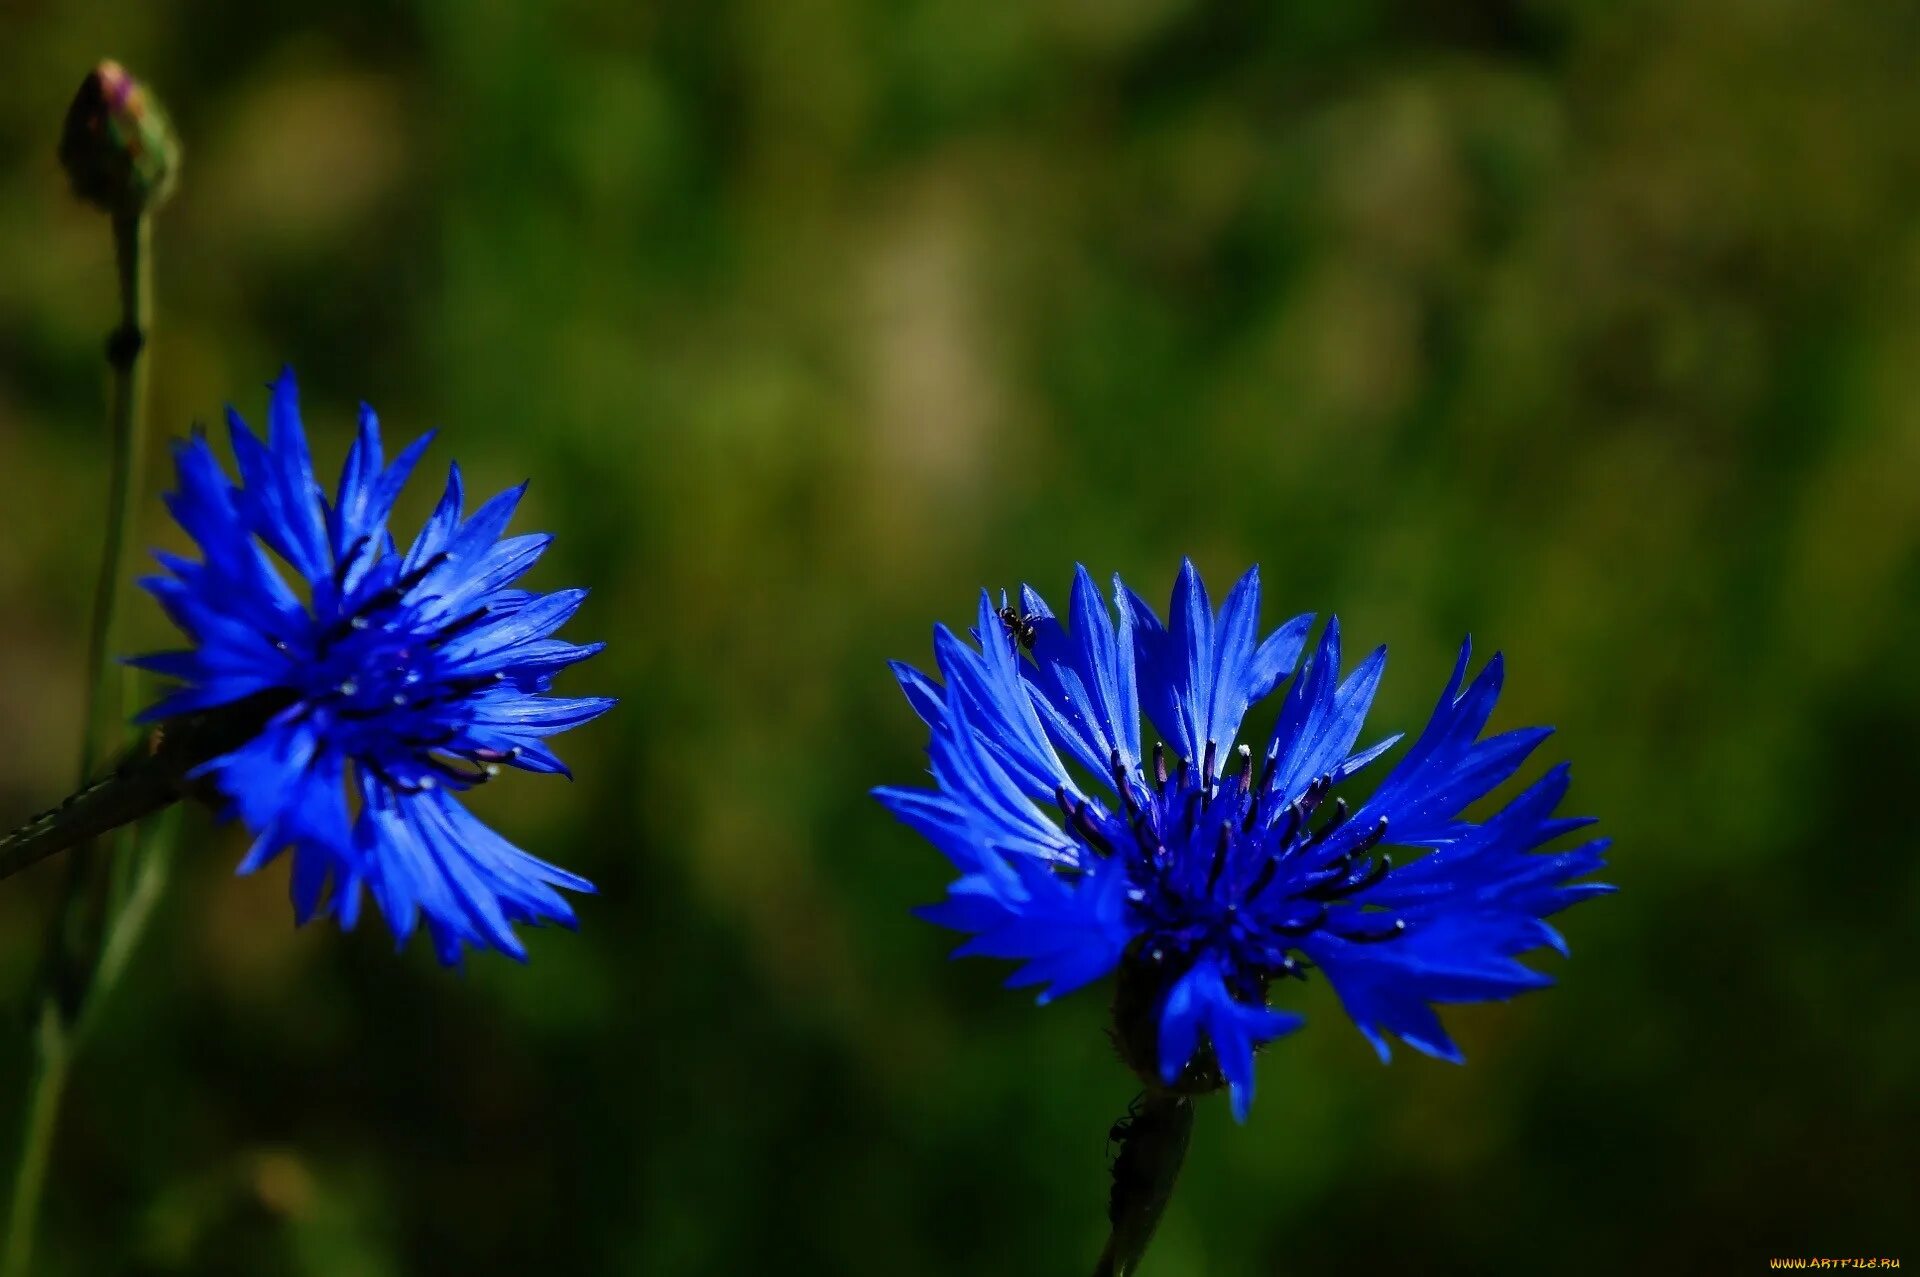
117	147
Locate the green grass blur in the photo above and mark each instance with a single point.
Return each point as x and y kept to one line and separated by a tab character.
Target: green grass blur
1590	328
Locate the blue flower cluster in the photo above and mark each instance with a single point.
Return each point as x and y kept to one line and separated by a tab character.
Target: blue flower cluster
1205	873
387	682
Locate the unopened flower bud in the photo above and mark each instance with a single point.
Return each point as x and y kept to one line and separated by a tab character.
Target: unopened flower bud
117	147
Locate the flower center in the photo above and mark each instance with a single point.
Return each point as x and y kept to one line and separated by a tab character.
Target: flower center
386	697
371	669
1226	864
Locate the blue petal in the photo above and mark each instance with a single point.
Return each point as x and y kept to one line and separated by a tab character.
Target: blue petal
1085	682
1199	1001
438	530
1068	933
1198	679
1000	705
1454	957
1322	717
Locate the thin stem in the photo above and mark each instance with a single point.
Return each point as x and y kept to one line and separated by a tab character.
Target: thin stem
151	775
74	944
1153	1146
126	417
60	1027
51	1056
128	793
152	852
82	915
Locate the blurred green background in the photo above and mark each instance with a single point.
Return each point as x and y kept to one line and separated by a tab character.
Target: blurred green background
1590	328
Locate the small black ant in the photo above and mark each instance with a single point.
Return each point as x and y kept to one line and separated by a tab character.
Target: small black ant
1019	626
1123	1126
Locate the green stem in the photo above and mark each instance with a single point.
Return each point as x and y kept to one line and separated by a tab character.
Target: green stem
75	943
61	1026
126	416
151	853
51	1055
138	787
1152	1150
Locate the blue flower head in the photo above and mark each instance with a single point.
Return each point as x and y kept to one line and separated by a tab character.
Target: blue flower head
384	682
1209	868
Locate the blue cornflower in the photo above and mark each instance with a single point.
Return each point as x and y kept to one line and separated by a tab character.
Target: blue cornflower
1204	876
381	684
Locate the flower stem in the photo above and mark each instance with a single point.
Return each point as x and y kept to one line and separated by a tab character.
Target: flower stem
1153	1147
124	795
74	945
51	1041
149	848
126	348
